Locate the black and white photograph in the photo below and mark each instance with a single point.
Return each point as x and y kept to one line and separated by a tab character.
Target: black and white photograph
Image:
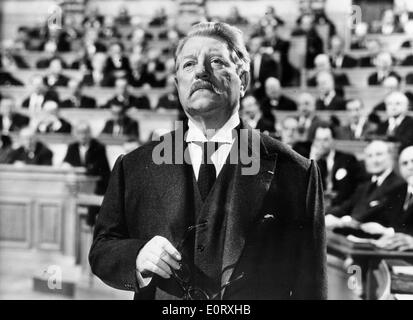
243	150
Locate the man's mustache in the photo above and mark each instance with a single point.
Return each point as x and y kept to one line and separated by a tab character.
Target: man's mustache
203	84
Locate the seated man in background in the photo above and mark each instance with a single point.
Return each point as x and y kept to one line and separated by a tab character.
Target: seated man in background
289	131
402	219
123	97
360	126
274	99
373	200
322	64
40	93
340	171
251	113
308	121
169	100
399	126
5	148
10	120
51	121
31	151
338	58
390	85
89	153
97	76
54	76
7	79
120	124
77	99
117	64
374	48
328	99
384	69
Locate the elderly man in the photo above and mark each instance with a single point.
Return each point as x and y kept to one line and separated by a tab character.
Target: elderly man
39	95
10	120
384	65
372	200
251	113
338	58
328	99
399	126
51	121
31	151
120	124
401	216
206	228
308	121
322	64
274	99
125	98
77	99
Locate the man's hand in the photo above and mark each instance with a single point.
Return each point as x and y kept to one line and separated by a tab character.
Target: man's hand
398	241
158	256
376	228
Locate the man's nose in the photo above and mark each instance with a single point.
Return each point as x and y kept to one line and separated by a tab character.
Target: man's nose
201	70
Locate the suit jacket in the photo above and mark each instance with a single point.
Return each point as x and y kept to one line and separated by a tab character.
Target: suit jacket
284	103
7	79
41	155
85	102
402	134
141	102
340	80
167	103
107	81
409	78
18	121
399	218
347	62
49	95
65	127
96	162
346	133
129	127
374	81
337	103
309	133
377	205
275	223
268	68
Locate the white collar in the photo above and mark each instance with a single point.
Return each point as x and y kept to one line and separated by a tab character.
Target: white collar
223	134
380	179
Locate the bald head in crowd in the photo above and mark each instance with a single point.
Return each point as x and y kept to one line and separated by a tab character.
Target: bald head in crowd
325	82
397	104
82	132
306	104
406	165
378	157
272	88
322	62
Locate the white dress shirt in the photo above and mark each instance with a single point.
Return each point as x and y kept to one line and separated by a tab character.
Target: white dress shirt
224	138
380	179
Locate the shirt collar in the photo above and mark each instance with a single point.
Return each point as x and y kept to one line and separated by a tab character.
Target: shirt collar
223	135
380	179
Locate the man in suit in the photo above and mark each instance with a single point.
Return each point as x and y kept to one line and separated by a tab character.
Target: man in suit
97	77
39	95
54	76
399	126
373	200
251	232
77	99
124	97
251	114
117	64
322	65
51	121
328	99
274	99
31	151
360	126
384	64
169	100
339	59
120	124
308	121
374	47
340	171
262	67
401	216
10	120
6	148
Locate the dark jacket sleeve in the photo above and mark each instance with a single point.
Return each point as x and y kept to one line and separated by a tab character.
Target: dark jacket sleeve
113	253
312	280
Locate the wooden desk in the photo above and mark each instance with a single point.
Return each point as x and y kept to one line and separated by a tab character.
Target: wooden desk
37	207
370	263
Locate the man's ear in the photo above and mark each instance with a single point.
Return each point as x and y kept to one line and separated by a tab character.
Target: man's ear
176	82
245	80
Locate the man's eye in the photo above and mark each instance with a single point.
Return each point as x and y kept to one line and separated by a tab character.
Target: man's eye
217	62
188	64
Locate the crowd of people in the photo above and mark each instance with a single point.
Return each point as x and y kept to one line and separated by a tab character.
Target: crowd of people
109	57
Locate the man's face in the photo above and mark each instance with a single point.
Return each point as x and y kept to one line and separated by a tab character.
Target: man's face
406	165
289	131
37	85
121	86
55	66
116	112
255	45
82	135
336	46
250	108
207	80
377	158
354	110
306	105
323	140
272	89
395	106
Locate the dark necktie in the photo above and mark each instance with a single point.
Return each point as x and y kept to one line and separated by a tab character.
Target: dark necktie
373	186
207	172
409	201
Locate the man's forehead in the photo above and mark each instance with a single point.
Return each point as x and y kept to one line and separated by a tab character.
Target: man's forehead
197	44
407	154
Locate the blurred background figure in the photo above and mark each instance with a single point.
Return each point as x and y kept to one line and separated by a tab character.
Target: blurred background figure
169	100
289	131
308	121
10	119
40	93
54	76
274	99
30	150
251	113
6	148
51	121
77	99
125	98
338	57
384	69
120	124
328	98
